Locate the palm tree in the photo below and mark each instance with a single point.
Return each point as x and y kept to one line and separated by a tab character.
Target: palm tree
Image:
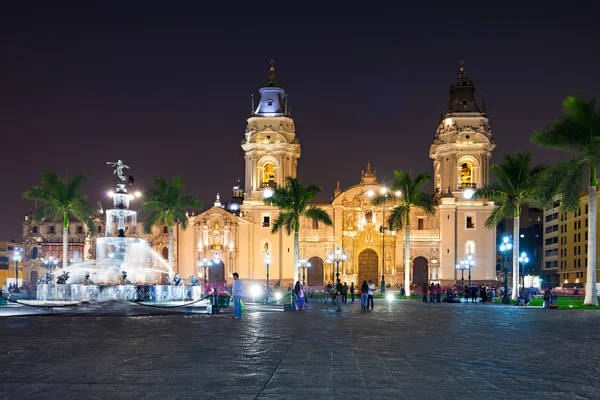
165	204
293	201
407	192
517	183
578	131
62	199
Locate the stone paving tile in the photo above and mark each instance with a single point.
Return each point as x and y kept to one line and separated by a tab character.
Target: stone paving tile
404	350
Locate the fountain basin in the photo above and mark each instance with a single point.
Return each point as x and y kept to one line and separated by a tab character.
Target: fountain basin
79	292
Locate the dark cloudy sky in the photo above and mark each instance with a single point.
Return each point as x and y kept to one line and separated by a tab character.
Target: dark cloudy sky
166	86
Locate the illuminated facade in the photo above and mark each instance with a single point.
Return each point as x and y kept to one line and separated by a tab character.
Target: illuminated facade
237	234
566	246
461	155
7	263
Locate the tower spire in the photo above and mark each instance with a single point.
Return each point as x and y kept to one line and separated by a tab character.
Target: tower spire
272	80
461	70
253	108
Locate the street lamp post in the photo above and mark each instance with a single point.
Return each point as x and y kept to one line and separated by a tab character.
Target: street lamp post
461	268
523	260
203	263
17	257
505	248
216	261
303	263
383	227
50	262
268	264
465	263
339	256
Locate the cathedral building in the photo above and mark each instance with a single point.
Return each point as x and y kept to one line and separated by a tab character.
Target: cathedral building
237	234
461	153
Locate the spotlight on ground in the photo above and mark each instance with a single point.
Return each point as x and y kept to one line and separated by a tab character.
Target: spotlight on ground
389	296
255	291
277	296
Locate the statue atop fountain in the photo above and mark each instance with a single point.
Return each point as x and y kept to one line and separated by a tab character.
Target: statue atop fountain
118	169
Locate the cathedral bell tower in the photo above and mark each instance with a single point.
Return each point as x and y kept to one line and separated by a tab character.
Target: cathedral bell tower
270	145
461	153
463	142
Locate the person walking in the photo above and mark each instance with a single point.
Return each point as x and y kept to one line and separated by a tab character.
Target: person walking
438	293
345	293
364	295
371	293
299	292
424	290
339	289
352	291
236	292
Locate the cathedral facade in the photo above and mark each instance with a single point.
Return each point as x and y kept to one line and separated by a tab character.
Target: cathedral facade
240	232
237	234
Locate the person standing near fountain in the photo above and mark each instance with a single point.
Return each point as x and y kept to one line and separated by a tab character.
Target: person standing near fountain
236	292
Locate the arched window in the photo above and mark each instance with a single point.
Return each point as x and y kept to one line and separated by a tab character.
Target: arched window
34	253
165	230
34	230
469	247
165	253
466	175
99	229
368	217
268	174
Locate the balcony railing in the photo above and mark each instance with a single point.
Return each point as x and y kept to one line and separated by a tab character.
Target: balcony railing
467	185
271	184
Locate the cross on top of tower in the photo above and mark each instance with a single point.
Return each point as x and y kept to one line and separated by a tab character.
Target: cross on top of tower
461	70
272	80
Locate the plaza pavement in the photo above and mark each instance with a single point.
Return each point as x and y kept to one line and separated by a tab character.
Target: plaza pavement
402	350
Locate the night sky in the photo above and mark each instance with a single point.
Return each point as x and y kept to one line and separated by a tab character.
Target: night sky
166	86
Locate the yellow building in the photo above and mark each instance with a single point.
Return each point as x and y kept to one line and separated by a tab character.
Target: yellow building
573	246
7	263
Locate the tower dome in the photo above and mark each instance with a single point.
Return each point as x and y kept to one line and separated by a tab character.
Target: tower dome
461	98
272	97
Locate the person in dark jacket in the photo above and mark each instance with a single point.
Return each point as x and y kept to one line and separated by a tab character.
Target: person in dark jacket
547	298
352	291
473	294
364	294
339	289
424	290
344	293
432	293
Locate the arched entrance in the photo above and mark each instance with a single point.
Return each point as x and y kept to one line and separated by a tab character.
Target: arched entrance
420	271
368	270
211	273
315	274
